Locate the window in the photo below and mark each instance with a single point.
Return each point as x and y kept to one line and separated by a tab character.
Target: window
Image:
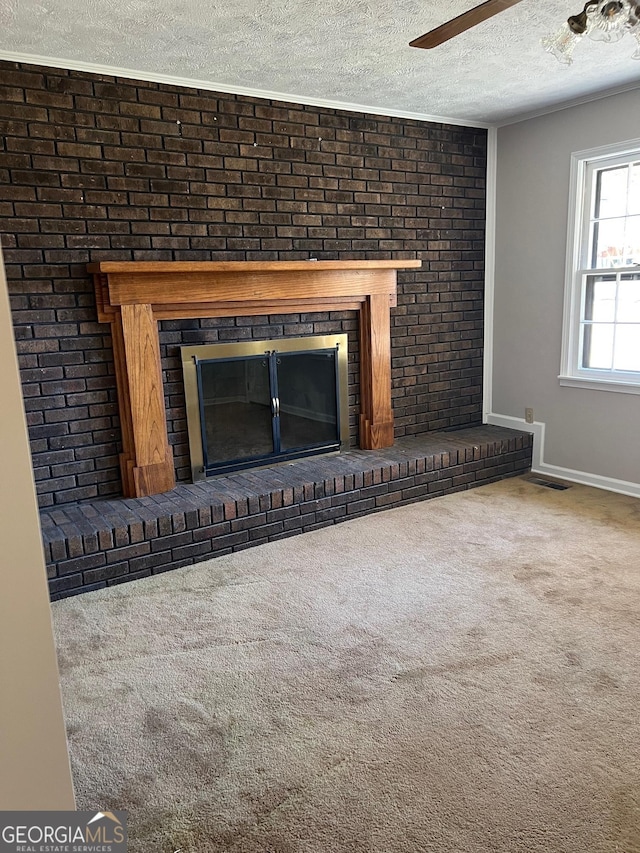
601	340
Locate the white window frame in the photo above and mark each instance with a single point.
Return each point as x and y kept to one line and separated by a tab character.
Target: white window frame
583	163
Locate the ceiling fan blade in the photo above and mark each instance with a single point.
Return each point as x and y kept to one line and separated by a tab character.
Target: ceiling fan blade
463	22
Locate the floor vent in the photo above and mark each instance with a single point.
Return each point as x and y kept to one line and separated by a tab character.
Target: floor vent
549	484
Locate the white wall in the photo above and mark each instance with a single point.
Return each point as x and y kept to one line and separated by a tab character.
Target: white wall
34	764
589	436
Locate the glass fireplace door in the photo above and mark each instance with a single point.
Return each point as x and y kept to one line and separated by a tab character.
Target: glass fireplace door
308	405
248	408
236	416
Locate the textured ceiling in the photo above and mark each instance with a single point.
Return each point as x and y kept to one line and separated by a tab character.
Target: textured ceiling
348	51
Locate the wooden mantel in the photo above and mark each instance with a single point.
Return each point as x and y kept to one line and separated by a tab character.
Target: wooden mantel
133	295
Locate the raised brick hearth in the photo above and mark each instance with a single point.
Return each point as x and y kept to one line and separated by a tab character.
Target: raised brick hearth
91	545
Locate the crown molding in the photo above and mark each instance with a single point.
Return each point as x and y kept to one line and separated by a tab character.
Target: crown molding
226	88
565	105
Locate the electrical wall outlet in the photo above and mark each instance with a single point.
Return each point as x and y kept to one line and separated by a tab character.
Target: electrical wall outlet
528	416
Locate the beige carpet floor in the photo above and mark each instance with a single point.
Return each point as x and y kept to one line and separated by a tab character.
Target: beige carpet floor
456	676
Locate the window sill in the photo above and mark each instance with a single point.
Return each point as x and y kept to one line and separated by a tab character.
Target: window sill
600	384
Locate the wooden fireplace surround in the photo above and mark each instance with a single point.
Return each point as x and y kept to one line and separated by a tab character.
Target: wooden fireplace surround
133	295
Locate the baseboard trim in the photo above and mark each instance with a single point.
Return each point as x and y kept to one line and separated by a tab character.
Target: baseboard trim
539	466
536	428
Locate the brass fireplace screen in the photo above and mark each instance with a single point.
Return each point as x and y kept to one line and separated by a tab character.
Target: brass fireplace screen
260	402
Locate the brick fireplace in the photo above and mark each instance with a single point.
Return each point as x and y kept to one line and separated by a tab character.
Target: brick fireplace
97	169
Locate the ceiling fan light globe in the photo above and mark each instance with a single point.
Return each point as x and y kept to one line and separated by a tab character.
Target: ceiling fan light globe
561	44
609	20
607	36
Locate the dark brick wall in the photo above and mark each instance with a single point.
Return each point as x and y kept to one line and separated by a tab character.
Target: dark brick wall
93	167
